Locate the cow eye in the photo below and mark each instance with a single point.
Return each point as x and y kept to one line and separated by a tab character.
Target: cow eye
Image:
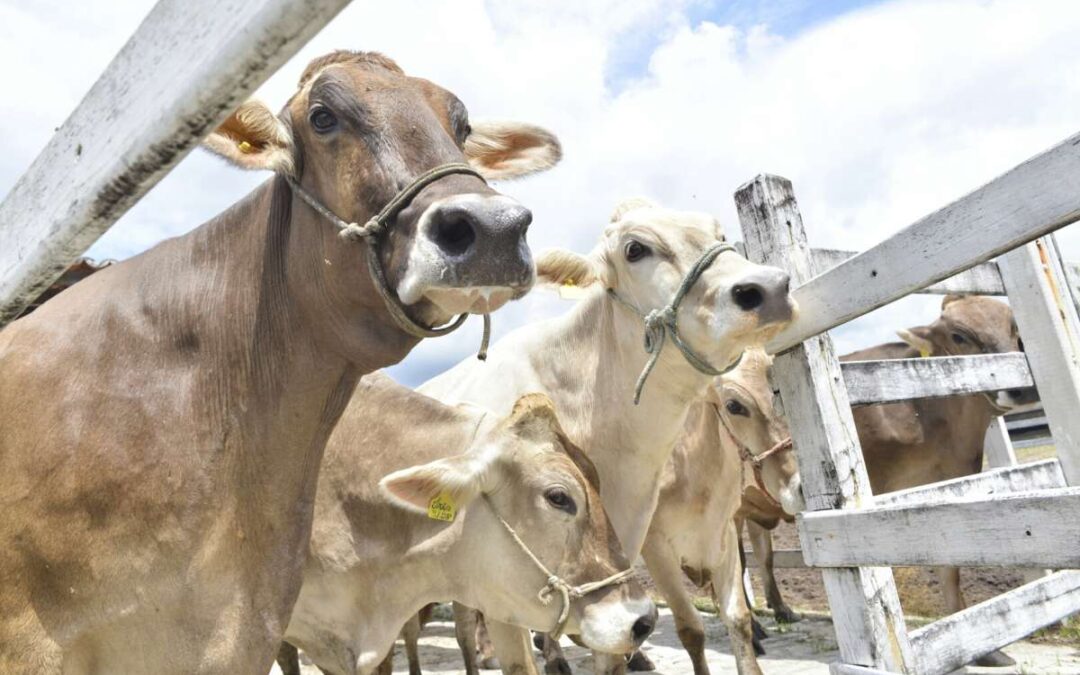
958	338
560	499
736	408
635	250
322	120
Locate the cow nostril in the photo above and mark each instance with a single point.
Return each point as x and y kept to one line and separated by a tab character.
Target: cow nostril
643	627
748	296
454	234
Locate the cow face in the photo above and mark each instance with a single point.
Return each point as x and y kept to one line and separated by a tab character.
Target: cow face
744	400
358	131
973	325
646	253
527	472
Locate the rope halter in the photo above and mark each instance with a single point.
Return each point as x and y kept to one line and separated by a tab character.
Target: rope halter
659	323
755	461
556	584
372	231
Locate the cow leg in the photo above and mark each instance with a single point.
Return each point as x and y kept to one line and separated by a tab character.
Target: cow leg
411	634
955	601
288	659
763	551
513	647
485	651
667	574
465	619
555	662
731	602
386	667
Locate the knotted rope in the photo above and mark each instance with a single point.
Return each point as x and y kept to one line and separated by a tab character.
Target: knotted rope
755	461
556	584
375	227
659	323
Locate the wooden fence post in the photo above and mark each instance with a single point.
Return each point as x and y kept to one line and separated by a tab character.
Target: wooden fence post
998	446
1046	316
866	610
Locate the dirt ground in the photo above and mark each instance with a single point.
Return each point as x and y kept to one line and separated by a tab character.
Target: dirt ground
804	648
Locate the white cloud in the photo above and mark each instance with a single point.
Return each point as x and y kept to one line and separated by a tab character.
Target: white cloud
878	116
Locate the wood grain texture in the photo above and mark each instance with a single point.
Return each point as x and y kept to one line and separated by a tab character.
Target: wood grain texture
951	642
1026	529
1043	475
904	379
982	279
189	64
866	611
1028	201
997	446
1046	317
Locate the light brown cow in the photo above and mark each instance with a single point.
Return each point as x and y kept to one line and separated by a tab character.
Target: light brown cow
589	360
929	440
376	557
164	420
693	530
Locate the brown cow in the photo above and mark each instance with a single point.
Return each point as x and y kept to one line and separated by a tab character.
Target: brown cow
163	421
929	440
377	557
693	529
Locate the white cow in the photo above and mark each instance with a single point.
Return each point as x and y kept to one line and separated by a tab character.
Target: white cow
589	360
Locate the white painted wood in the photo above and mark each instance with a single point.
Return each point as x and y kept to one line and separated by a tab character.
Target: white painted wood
847	669
1050	330
1030	200
982	279
866	611
1026	529
1044	475
951	642
188	65
894	380
997	446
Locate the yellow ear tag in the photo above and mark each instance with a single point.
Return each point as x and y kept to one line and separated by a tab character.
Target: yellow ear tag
924	352
245	147
569	290
442	507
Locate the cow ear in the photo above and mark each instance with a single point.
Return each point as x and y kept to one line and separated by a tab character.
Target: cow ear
950	298
567	270
440	487
501	149
255	138
919	338
535	411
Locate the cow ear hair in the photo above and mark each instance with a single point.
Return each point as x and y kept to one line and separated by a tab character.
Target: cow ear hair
253	137
453	480
919	338
503	149
561	268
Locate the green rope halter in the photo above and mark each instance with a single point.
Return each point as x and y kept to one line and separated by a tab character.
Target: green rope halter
371	232
659	323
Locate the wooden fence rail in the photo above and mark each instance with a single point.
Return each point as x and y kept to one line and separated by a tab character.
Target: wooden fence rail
189	64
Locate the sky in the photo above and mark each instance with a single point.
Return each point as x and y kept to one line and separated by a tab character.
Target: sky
879	112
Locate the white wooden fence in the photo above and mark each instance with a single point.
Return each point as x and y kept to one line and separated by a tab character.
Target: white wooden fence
186	67
1010	515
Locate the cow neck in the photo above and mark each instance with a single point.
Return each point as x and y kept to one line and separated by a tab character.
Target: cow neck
629	444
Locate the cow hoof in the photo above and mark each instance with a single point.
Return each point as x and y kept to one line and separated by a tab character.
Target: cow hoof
787	615
639	663
489	663
759	631
998	659
558	666
759	650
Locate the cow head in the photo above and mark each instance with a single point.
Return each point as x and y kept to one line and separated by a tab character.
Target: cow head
528	472
973	325
643	258
357	131
744	401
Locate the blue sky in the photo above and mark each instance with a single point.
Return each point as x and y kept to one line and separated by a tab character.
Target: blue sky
879	112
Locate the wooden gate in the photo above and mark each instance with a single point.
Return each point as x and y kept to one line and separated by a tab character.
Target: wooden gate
1023	516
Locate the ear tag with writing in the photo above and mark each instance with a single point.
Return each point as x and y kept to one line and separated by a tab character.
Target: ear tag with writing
569	290
245	147
442	507
924	352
